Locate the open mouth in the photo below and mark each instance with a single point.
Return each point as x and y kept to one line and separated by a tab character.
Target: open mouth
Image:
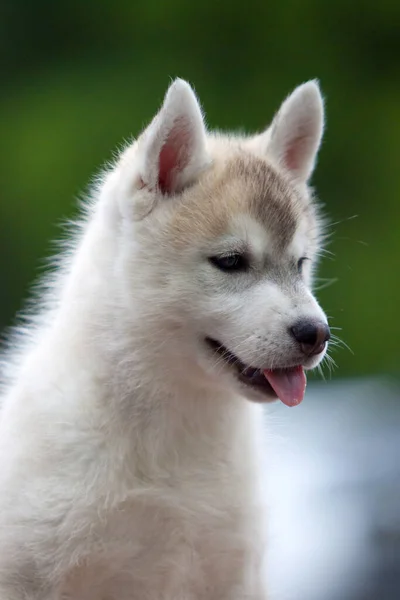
287	384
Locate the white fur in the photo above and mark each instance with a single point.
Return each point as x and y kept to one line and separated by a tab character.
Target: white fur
131	467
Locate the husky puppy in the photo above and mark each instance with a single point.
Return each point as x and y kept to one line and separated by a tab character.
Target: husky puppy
131	421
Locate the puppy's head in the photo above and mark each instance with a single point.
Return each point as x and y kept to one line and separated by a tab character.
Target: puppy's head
226	237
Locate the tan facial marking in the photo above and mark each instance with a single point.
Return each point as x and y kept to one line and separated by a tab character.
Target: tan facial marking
245	184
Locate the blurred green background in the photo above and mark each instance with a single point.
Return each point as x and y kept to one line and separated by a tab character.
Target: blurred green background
80	77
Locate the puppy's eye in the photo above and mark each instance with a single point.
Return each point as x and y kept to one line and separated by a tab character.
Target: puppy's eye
301	262
230	262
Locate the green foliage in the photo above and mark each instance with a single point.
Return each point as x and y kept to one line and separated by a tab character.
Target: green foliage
79	78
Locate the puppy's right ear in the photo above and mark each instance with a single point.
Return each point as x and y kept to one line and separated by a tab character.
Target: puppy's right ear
171	152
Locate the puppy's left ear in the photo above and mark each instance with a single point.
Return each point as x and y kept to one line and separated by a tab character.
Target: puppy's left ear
172	150
295	134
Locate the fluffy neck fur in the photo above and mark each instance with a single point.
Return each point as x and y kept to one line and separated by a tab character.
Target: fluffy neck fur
127	361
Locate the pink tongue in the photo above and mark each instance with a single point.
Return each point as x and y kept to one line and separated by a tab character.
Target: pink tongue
288	384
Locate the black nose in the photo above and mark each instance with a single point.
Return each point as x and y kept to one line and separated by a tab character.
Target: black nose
311	335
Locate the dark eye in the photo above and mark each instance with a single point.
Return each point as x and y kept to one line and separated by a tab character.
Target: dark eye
230	262
301	262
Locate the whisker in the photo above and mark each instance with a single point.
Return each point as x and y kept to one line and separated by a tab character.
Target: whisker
343	220
326	283
321	372
324	251
336	341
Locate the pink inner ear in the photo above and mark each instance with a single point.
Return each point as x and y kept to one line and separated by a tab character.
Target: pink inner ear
293	154
174	156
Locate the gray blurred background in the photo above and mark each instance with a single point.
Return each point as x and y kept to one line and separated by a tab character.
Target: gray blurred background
78	78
